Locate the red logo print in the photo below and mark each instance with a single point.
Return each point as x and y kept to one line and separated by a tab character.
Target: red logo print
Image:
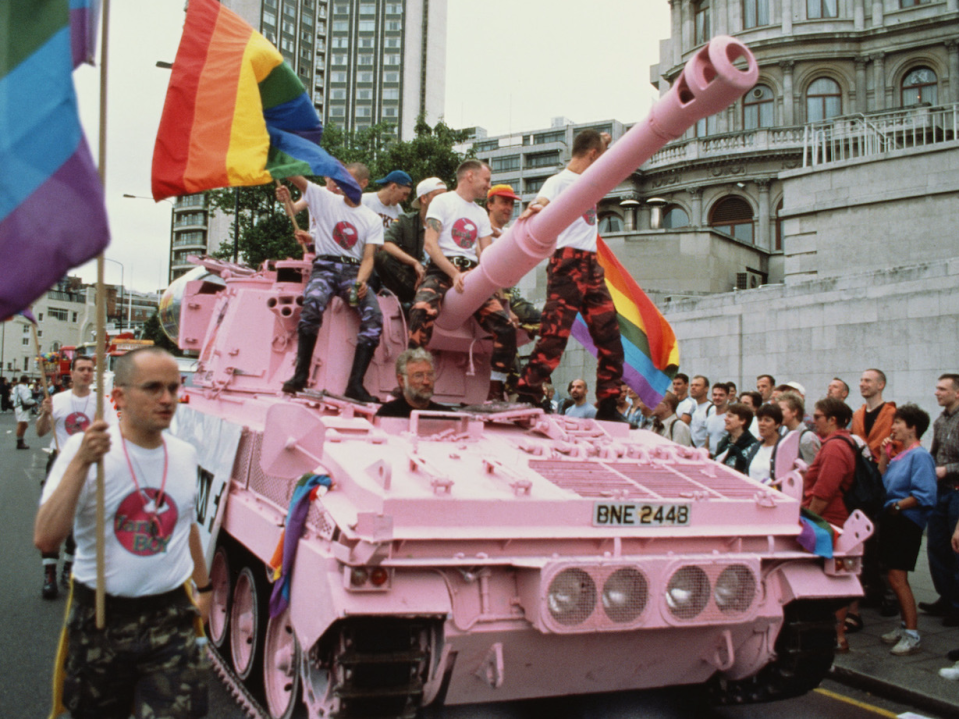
464	233
143	528
589	217
345	234
76	422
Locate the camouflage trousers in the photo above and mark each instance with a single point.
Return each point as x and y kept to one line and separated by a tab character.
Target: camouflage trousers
576	284
337	278
491	316
144	662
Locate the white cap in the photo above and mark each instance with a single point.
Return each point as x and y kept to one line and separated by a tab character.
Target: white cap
798	387
426	187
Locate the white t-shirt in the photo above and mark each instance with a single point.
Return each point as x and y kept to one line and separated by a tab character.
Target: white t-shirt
697	428
715	430
585	411
22	399
581	235
72	415
137	562
464	224
686	406
388	213
339	229
759	468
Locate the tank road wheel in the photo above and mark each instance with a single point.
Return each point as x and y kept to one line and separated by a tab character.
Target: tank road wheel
281	669
248	623
221	600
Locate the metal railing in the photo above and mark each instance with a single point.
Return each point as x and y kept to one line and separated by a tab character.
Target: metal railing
856	136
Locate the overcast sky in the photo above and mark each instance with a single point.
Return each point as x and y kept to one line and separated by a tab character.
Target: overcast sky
511	66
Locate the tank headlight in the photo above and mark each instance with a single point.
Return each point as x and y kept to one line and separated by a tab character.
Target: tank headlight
571	597
625	595
735	589
687	592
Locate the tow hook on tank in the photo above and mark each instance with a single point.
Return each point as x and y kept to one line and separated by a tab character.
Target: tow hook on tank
493	669
724	656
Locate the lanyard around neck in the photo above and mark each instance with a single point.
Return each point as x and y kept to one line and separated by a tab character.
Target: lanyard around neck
166	463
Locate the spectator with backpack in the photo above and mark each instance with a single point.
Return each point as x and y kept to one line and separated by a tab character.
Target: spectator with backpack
760	457
910	483
23	401
794	409
699	391
667	424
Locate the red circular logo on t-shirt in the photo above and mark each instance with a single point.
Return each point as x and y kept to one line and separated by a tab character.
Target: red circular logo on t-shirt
464	233
143	528
76	422
589	217
345	234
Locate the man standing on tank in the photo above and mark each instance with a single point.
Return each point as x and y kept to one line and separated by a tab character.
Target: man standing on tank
346	237
457	232
146	661
576	284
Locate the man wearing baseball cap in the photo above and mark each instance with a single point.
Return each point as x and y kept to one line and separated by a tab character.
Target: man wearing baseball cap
401	263
385	202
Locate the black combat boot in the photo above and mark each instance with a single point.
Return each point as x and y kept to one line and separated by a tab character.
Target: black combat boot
50	590
607	411
21	444
361	362
304	358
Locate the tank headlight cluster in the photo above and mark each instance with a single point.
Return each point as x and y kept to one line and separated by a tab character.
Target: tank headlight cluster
687	593
571	597
625	595
369	577
735	589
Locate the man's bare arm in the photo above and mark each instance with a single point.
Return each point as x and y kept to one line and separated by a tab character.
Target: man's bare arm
200	575
44	423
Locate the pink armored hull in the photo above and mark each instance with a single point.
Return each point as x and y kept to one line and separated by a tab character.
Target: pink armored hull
492	552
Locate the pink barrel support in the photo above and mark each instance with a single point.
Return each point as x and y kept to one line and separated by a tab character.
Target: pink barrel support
711	81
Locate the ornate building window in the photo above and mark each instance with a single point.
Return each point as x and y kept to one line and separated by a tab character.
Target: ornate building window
758	108
823	100
920	86
819	9
707	126
675	216
733	216
610	223
755	13
701	14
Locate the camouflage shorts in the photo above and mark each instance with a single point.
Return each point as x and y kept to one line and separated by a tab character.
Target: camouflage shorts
148	663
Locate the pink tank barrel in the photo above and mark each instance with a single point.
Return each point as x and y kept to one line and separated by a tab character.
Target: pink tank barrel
710	82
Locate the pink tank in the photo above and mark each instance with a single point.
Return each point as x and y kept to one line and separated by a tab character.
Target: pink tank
493	553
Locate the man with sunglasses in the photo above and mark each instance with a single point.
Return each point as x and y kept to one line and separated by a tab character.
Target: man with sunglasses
147	660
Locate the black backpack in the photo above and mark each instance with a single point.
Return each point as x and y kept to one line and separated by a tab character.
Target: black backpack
867	493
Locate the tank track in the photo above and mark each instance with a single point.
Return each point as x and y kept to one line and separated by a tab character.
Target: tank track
246	701
804	654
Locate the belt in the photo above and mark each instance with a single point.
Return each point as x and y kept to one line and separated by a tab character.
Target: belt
85	596
342	259
463	263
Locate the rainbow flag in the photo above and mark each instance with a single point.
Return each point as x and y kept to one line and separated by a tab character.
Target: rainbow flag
84	15
649	345
52	214
235	113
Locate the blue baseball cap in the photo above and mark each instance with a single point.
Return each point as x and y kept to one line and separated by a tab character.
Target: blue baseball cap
397	176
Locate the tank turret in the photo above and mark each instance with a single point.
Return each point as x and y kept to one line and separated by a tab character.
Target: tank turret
457	557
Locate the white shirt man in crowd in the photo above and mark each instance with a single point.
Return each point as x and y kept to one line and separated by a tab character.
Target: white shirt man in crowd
699	391
716	421
67	414
580	408
457	232
687	405
385	202
147	660
765	385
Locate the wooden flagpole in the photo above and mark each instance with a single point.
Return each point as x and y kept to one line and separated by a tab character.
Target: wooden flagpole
101	324
43	380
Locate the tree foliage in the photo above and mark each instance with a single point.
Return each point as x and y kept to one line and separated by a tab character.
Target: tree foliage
265	232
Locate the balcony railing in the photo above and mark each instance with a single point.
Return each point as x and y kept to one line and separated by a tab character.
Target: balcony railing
732	143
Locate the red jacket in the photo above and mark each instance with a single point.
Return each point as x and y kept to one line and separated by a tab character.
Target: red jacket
830	476
880	430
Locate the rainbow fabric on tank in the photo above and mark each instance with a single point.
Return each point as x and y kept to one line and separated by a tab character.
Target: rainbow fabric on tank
649	344
235	113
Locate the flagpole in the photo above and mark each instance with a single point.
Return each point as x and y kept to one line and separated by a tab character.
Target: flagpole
43	380
101	324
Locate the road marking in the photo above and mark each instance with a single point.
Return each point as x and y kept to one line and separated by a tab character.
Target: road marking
857	703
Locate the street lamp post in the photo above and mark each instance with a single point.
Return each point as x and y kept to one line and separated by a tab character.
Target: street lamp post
120	313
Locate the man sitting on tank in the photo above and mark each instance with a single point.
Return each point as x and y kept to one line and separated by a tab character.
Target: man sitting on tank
414	374
346	235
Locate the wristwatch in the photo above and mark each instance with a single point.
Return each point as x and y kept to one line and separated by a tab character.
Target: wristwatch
897	507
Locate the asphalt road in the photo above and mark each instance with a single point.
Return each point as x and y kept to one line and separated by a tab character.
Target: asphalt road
31	626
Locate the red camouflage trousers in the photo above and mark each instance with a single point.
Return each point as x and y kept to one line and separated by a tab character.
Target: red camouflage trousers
491	316
576	284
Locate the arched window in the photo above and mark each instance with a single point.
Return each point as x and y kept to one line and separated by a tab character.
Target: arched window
920	85
675	216
758	108
733	216
610	223
823	100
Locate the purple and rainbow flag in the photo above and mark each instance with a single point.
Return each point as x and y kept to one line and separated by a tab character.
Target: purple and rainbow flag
52	214
649	344
84	15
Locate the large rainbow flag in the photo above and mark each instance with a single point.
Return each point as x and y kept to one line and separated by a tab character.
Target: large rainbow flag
235	113
649	345
52	214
